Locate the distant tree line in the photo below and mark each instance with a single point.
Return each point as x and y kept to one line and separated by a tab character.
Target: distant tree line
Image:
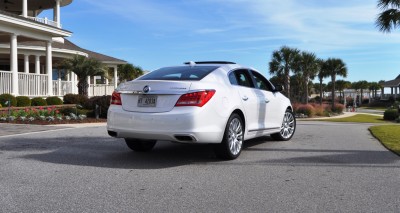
297	69
294	68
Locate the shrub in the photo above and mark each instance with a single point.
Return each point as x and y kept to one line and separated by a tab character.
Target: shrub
23	101
75	99
38	101
338	108
102	101
7	97
54	100
306	109
390	114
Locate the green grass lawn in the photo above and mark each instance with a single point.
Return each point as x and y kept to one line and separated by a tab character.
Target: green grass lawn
388	135
375	108
359	118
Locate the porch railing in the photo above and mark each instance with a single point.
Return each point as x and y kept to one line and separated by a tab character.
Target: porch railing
34	85
5	82
61	88
100	89
30	84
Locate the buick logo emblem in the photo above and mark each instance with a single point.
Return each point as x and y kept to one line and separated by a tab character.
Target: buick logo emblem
146	89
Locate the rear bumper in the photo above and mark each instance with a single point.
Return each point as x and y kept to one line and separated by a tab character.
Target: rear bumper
186	125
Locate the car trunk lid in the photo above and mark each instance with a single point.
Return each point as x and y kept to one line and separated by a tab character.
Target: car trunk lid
152	95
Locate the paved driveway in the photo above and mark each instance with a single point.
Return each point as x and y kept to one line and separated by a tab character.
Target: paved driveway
326	167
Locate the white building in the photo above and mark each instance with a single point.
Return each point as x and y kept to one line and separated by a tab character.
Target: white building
31	45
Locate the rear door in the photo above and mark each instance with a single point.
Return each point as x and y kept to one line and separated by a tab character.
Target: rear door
271	113
243	82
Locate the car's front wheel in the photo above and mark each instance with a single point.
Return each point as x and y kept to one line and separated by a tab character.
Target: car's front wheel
288	127
140	145
232	142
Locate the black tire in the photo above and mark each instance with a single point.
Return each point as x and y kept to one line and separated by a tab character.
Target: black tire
288	127
232	142
140	145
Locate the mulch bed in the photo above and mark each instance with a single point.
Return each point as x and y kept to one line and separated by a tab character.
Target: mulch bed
41	122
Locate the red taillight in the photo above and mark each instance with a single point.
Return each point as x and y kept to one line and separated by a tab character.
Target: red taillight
195	98
116	98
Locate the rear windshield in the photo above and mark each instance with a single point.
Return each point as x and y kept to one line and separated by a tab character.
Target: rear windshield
184	73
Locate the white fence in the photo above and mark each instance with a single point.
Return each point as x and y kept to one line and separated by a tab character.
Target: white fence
30	84
5	82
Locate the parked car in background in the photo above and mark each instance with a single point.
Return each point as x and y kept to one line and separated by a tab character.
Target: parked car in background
216	102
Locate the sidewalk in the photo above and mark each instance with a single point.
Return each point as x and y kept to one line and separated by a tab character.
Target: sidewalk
344	115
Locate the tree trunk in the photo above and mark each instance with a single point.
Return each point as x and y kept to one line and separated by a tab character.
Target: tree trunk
306	91
287	83
83	87
333	91
320	92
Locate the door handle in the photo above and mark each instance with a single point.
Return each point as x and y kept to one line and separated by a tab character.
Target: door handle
245	98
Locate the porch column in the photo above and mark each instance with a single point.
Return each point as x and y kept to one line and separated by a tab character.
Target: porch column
391	90
75	83
25	8
26	63
37	64
49	68
56	14
59	83
115	77
395	93
14	64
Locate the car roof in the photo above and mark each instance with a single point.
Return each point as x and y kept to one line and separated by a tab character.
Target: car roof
221	64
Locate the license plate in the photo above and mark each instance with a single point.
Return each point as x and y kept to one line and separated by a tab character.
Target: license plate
147	101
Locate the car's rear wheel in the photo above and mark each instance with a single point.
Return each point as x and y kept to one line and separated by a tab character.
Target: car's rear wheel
140	145
232	142
288	127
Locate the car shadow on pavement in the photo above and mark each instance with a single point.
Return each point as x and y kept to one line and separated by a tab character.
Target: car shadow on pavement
113	153
108	152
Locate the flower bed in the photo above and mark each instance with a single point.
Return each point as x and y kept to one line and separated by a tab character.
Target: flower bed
43	115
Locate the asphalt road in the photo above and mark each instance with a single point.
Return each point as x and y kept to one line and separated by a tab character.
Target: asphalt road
326	167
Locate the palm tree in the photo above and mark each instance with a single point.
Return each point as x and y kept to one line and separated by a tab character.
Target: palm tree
335	67
282	64
390	17
321	73
374	86
307	66
84	67
128	72
341	86
362	85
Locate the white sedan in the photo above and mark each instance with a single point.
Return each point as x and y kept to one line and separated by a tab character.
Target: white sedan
215	102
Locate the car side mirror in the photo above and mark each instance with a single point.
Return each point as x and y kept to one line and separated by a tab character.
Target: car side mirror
278	88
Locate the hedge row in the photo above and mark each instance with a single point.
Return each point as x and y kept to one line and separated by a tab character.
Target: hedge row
84	104
311	110
24	101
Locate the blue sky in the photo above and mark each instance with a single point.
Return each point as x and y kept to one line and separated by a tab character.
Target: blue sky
156	33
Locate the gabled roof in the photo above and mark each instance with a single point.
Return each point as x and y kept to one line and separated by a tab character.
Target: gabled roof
392	83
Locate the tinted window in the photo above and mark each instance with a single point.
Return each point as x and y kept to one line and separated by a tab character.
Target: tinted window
261	82
241	77
183	73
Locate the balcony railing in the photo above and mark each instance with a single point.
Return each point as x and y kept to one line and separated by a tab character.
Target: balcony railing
44	21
